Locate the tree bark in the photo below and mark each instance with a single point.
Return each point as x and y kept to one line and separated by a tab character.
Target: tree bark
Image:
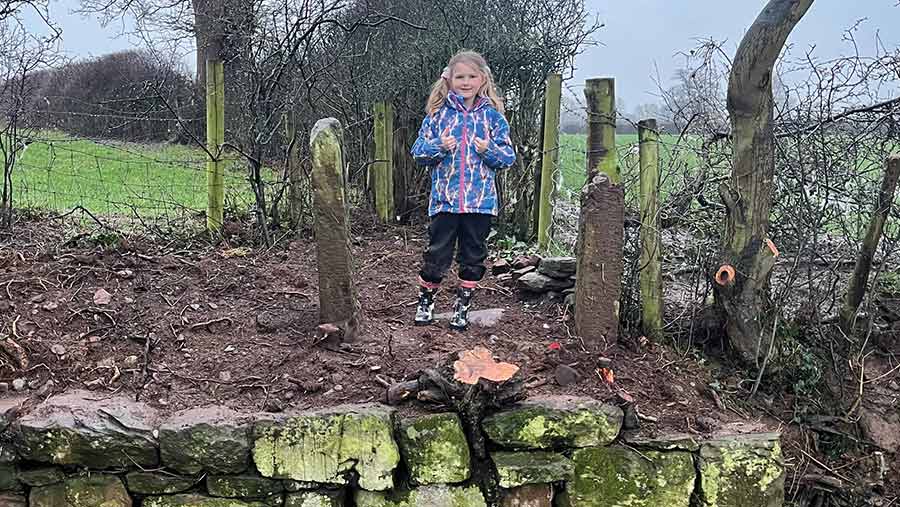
744	297
601	229
598	284
860	278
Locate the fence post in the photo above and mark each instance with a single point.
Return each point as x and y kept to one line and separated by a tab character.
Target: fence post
215	138
549	158
338	304
293	176
600	224
601	129
651	277
384	162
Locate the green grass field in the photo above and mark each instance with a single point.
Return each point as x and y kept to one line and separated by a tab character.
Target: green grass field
59	172
572	161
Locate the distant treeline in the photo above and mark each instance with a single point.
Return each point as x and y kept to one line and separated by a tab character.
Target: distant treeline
573	126
126	95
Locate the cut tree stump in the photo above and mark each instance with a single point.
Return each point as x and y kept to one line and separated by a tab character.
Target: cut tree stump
600	262
338	303
448	385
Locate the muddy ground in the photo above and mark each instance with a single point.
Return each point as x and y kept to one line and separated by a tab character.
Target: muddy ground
181	323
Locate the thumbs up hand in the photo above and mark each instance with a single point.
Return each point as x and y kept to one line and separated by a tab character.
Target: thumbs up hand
448	142
481	145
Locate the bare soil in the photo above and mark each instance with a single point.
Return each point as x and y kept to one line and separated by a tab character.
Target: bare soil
191	323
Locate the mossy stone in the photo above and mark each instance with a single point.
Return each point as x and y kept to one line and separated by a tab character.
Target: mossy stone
96	490
198	501
42	476
315	499
520	468
435	449
232	486
77	429
149	483
324	447
9	477
555	422
427	496
620	477
742	470
211	439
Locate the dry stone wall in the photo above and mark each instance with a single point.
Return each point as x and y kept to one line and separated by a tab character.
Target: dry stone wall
86	450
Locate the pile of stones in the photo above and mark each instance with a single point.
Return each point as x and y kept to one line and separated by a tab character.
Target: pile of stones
552	276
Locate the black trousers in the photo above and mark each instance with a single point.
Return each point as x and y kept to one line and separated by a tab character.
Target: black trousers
470	231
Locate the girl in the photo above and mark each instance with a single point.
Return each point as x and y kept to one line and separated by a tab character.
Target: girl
464	139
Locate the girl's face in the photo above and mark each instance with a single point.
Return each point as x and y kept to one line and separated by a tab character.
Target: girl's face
466	81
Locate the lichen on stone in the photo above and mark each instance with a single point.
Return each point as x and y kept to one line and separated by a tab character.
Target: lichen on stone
620	477
741	470
326	447
427	496
435	449
555	422
520	468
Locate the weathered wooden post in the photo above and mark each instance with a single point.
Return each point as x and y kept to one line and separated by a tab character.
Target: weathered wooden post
293	172
549	158
338	304
860	278
383	180
651	243
601	223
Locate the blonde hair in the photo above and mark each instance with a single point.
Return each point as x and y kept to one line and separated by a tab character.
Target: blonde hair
441	88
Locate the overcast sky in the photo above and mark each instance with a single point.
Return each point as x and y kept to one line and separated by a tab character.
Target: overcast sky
639	39
642	35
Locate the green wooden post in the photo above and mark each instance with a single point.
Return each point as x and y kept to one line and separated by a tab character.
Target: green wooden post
215	138
383	167
601	132
651	243
549	158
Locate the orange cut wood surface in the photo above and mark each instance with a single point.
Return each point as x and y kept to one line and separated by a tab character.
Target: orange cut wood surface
479	363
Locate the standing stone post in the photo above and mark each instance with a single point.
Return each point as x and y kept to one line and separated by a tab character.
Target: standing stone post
601	224
651	276
338	304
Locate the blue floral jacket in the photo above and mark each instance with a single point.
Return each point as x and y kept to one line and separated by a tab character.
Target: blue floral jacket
462	181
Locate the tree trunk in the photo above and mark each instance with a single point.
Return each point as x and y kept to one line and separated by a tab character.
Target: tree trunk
860	279
598	284
742	282
201	36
